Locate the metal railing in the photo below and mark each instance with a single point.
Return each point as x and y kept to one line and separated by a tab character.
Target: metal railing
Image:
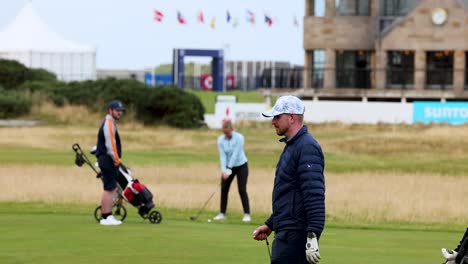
395	78
400	78
439	79
353	78
282	78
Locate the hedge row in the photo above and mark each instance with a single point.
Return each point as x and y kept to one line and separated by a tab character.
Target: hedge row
13	74
13	105
160	105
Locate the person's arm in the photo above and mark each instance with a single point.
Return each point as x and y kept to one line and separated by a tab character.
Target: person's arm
238	148
111	145
222	155
312	181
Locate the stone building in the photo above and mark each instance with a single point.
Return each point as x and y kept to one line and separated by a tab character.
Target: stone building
386	50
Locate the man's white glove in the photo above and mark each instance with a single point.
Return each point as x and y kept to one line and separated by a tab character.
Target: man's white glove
449	254
228	172
312	249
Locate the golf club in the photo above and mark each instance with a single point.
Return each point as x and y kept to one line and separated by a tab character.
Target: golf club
195	217
81	158
268	246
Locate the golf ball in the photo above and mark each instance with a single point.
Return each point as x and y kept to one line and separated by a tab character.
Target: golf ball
209	220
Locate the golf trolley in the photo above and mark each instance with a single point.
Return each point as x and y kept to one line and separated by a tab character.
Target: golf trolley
462	257
128	189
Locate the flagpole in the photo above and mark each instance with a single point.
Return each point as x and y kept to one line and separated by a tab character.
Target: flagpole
226	48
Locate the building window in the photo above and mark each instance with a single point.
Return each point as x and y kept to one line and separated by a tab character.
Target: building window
319	8
392	9
439	69
316	68
353	69
400	69
396	8
316	8
353	7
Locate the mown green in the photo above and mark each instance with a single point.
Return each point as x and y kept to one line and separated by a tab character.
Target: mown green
47	233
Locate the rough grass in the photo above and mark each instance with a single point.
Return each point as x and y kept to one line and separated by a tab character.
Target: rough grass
351	198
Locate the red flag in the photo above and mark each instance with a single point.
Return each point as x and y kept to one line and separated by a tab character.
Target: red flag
268	20
181	18
158	16
200	17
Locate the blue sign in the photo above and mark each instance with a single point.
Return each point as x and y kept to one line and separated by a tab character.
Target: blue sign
438	112
162	79
149	79
158	79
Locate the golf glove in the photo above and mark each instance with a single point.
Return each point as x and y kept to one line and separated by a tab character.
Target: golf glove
312	249
228	172
449	254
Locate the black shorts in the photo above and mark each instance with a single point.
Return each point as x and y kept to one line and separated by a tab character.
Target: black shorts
109	172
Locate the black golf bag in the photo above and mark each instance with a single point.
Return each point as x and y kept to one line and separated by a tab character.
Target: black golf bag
462	257
128	189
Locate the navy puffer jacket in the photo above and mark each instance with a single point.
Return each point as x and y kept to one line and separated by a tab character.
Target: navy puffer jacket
299	189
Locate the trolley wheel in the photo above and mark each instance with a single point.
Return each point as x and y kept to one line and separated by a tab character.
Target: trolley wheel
119	211
155	217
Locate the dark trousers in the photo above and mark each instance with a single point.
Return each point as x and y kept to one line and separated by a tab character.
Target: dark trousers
242	173
289	247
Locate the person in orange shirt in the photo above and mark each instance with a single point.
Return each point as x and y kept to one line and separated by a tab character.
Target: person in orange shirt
109	153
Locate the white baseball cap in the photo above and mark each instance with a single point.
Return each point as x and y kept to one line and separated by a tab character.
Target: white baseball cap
287	104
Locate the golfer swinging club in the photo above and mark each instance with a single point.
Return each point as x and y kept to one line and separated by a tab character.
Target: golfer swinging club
298	215
109	152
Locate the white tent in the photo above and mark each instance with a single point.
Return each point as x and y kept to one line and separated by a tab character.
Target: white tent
29	40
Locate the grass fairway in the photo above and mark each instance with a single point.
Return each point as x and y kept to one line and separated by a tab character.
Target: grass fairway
42	233
393	195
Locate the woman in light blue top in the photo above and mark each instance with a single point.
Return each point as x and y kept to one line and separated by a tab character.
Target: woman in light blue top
233	163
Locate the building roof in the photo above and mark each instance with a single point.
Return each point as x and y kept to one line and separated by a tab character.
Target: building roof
27	32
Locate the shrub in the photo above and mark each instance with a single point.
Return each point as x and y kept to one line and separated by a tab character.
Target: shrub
40	75
170	106
161	105
12	74
13	105
40	86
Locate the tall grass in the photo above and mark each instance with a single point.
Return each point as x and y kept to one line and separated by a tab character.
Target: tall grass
350	198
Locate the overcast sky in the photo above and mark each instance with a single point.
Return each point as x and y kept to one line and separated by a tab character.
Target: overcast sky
126	35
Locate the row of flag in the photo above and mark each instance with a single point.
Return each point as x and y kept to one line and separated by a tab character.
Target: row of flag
250	18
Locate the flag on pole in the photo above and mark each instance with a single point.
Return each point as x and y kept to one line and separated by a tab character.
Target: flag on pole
158	16
228	17
250	17
181	18
296	22
268	20
200	17
213	23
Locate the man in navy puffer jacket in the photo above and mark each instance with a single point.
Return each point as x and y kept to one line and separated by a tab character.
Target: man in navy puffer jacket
298	216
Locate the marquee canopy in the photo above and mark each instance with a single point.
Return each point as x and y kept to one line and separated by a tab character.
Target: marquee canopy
30	41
